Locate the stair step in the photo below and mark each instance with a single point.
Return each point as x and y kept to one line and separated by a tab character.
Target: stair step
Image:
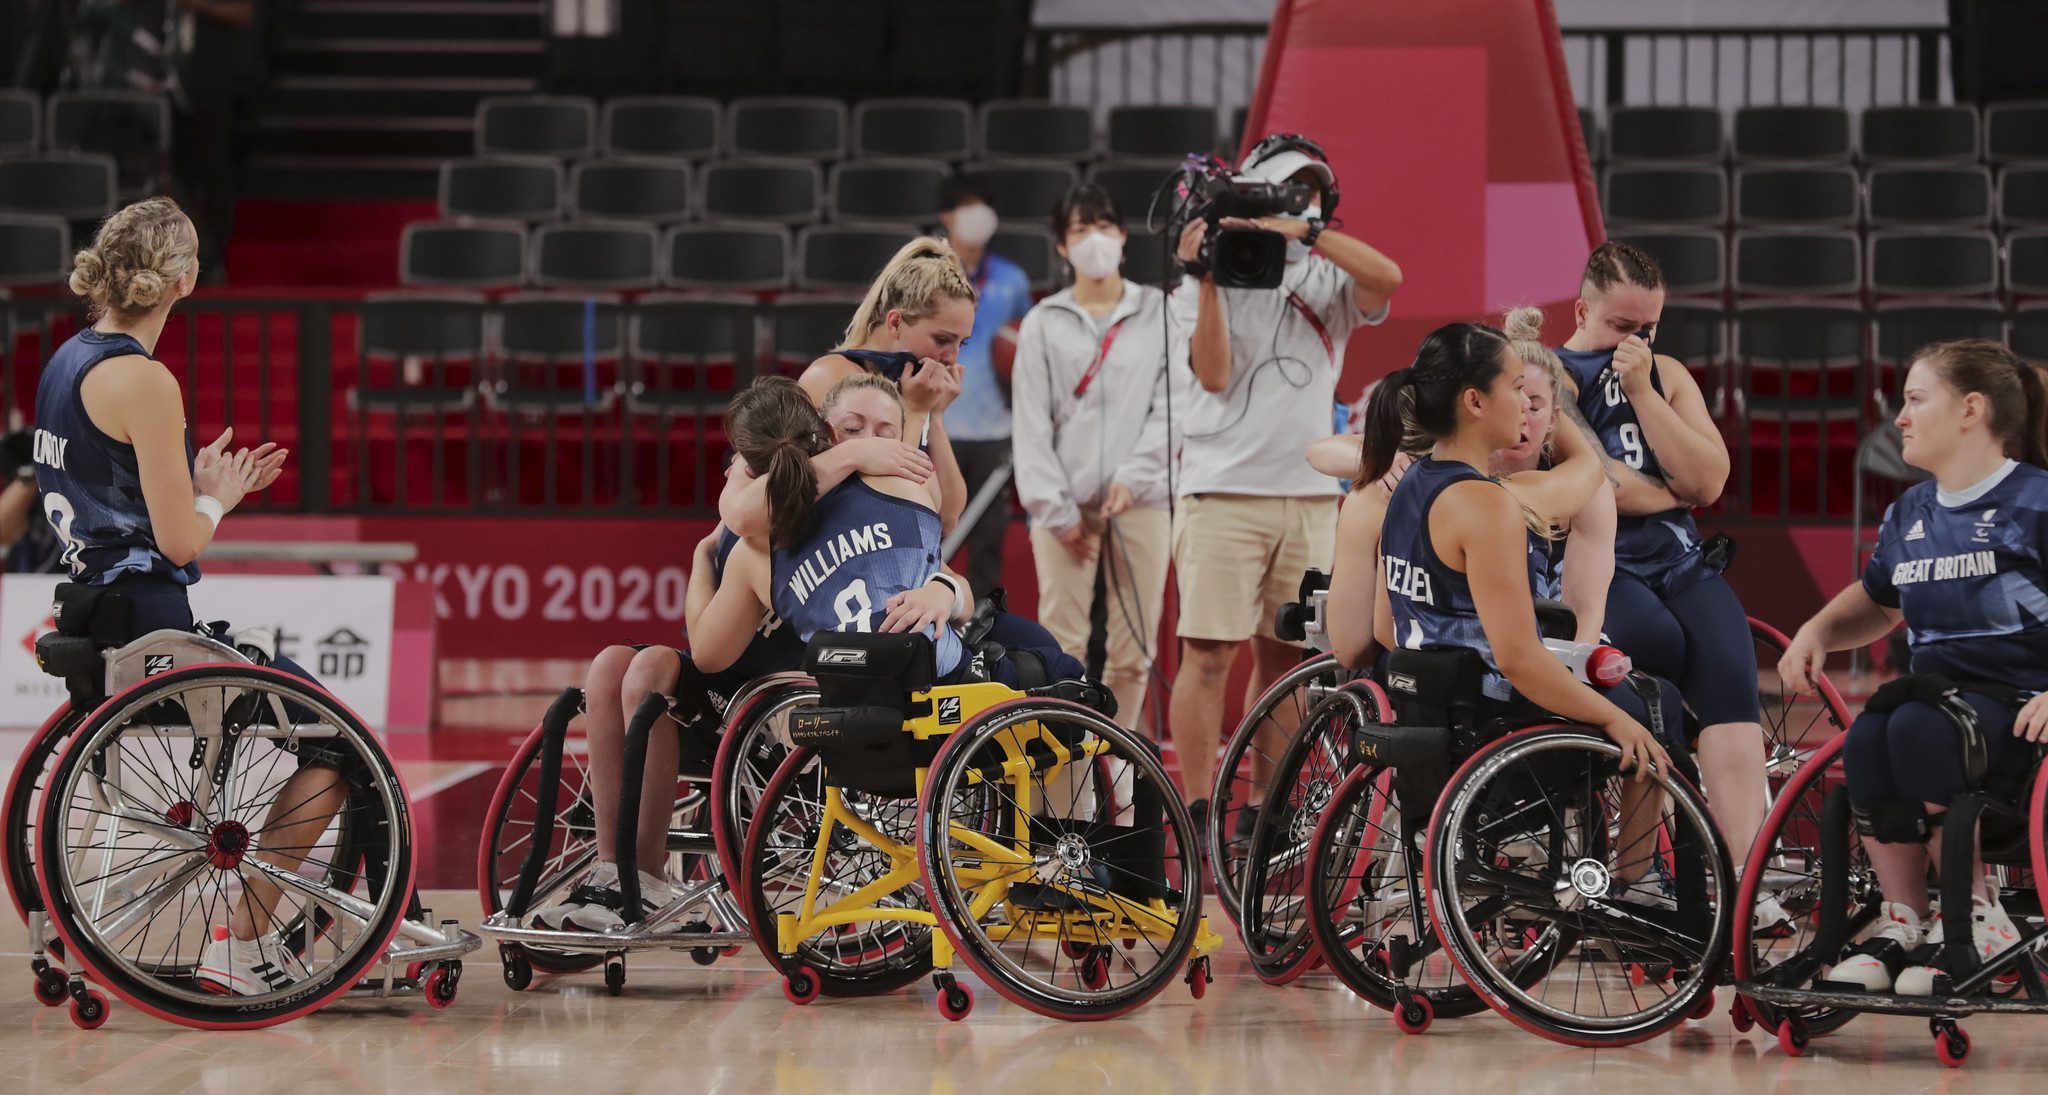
409	57
308	96
511	19
457	138
315	177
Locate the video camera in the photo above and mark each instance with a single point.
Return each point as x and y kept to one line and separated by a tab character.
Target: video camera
1240	258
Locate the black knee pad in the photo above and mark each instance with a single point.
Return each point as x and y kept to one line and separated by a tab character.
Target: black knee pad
697	719
1896	821
1945	696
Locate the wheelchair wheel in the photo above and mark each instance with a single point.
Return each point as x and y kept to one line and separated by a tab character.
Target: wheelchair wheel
1248	763
24	802
782	863
1051	838
1272	899
1788	858
753	744
155	821
1366	905
1543	831
509	830
1794	726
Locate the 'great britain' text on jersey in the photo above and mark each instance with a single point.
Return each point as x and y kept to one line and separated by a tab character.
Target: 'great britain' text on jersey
1971	564
813	571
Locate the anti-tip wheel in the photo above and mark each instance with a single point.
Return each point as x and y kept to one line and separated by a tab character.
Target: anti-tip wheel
440	986
955	1001
615	974
1792	1036
1198	977
1739	1017
1952	1046
1414	1015
518	970
89	1011
1704	1008
49	989
801	986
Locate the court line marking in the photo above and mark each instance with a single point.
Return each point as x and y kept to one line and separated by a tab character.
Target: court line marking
443	782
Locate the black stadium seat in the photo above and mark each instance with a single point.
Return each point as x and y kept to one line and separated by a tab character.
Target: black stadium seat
1030	247
840	257
897	191
1033	129
2026	263
790	126
941	129
726	256
778	191
690	353
560	352
1695	262
1673	196
1797	263
76	187
1133	185
1675	134
462	255
441	334
1795	134
2023	197
2030	332
808	327
1923	133
1930	197
1025	191
600	255
35	249
1145	252
651	189
1903	328
564	127
1163	131
513	188
1696	334
678	126
2016	133
1797	197
133	127
1933	263
21	121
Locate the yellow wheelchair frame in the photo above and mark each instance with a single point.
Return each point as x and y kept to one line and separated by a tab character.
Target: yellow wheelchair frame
1106	917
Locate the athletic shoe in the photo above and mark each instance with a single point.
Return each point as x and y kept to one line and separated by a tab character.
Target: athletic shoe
599	889
1875	963
247	967
1991	932
608	912
1770	920
1654	891
1247	820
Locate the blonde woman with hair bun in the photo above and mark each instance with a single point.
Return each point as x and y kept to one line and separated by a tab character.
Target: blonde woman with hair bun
134	506
908	329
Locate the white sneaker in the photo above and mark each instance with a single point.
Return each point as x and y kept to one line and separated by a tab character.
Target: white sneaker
605	911
1873	963
598	889
1991	931
247	967
1770	920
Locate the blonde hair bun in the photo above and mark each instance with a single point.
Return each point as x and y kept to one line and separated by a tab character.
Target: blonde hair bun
1524	324
134	260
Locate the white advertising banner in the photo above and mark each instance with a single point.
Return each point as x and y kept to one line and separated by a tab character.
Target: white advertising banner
338	628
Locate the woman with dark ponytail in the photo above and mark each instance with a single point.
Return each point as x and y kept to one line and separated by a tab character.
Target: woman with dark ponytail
1962	560
1452	548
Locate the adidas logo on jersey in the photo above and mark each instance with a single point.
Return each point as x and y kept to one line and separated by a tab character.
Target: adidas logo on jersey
1918	531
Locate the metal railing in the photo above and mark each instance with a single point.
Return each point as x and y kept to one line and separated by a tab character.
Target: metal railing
1100	67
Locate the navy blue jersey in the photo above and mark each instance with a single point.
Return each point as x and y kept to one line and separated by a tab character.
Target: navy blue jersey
1431	603
1546	566
864	547
1661	549
91	487
888	364
775	647
1970	578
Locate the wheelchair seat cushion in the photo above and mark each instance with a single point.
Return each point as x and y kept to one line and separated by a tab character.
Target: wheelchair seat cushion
1439	686
856	669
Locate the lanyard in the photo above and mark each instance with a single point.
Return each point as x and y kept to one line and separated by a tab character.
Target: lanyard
1315	321
1101	355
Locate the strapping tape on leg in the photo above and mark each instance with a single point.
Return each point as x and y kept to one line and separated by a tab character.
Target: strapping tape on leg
1896	821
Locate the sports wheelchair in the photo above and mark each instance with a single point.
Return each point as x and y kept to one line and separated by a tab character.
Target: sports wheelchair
1303	773
1833	892
1031	831
138	812
540	837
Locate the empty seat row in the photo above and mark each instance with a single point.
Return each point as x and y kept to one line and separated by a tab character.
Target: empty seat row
2005	133
1841	263
1953	196
76	186
111	121
569	127
724	257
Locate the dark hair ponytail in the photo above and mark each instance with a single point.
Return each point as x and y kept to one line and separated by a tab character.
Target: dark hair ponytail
2033	440
2015	393
776	430
1415	406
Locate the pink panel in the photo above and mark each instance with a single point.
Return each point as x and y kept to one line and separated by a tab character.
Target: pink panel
1406	131
1536	243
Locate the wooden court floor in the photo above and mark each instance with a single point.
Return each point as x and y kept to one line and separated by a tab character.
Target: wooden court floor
681	1028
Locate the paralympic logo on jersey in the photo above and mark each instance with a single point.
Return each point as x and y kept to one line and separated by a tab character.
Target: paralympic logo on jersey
813	572
1969	564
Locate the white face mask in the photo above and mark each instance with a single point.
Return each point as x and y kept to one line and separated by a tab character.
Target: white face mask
974	224
1097	255
1297	250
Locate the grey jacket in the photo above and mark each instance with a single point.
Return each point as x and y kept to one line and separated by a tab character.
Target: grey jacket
1068	448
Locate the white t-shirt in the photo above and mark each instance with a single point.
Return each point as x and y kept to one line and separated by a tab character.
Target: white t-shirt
1253	436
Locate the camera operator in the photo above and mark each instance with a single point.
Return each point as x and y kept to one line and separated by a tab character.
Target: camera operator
1252	515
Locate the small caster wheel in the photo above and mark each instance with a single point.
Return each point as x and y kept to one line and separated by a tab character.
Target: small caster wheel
1704	1008
955	999
615	974
704	956
439	987
518	969
88	1011
1095	969
1738	1015
801	986
1793	1036
49	988
1075	949
733	951
413	971
1414	1015
1952	1046
1198	977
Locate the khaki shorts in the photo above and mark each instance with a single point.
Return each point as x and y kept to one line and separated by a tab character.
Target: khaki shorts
1240	557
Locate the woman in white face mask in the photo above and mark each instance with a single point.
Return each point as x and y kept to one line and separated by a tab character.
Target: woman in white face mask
1088	402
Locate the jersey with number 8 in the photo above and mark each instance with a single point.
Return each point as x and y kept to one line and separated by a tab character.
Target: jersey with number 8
864	547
